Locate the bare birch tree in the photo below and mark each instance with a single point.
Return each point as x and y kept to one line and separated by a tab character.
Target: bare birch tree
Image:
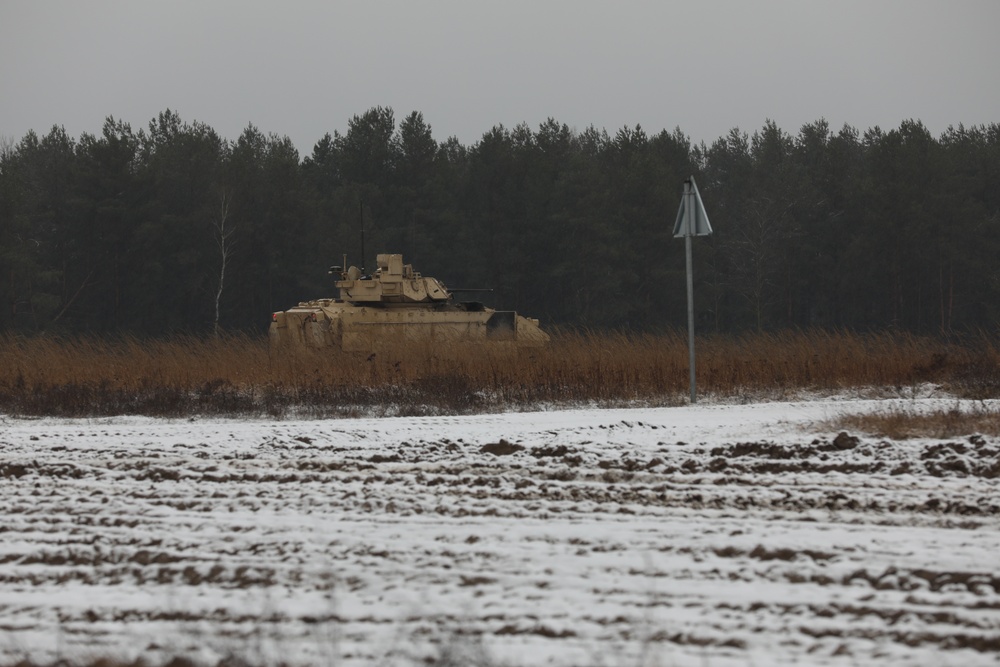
224	230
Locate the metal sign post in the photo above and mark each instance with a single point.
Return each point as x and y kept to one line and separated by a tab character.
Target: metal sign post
690	294
691	221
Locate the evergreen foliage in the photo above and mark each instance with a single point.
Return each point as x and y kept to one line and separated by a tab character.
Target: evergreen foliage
127	231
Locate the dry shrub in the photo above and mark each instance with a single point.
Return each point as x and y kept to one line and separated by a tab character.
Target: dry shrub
240	375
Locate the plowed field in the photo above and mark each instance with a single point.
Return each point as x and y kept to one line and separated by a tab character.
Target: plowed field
706	535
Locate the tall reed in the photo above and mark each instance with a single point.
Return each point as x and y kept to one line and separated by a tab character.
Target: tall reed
239	374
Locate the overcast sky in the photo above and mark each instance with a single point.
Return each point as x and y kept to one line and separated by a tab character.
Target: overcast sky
304	68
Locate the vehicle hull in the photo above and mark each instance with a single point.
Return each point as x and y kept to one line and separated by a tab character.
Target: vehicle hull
329	323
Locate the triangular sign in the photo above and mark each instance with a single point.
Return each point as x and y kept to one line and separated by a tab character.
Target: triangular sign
691	217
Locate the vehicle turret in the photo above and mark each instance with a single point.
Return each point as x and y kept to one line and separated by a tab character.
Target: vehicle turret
392	283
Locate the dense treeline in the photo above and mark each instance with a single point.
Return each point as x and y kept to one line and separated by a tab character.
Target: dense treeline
174	228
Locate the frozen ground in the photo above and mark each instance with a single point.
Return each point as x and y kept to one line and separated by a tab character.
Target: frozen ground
704	535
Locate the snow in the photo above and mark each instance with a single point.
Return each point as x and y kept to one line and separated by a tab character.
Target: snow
713	534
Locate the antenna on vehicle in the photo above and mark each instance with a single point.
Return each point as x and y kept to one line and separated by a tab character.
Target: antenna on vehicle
361	219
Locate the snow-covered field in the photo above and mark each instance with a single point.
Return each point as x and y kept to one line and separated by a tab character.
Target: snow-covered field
706	535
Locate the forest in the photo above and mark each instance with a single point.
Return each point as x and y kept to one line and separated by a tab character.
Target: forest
174	229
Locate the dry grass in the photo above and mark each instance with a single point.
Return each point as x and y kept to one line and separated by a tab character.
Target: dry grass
902	423
239	375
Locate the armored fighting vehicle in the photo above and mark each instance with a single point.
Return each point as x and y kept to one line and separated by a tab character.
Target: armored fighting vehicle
395	303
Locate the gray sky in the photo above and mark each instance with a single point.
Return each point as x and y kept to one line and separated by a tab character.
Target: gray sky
303	68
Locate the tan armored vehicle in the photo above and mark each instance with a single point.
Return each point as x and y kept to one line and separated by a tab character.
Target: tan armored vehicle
396	303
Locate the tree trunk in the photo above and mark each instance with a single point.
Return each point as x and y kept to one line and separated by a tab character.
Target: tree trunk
223	238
